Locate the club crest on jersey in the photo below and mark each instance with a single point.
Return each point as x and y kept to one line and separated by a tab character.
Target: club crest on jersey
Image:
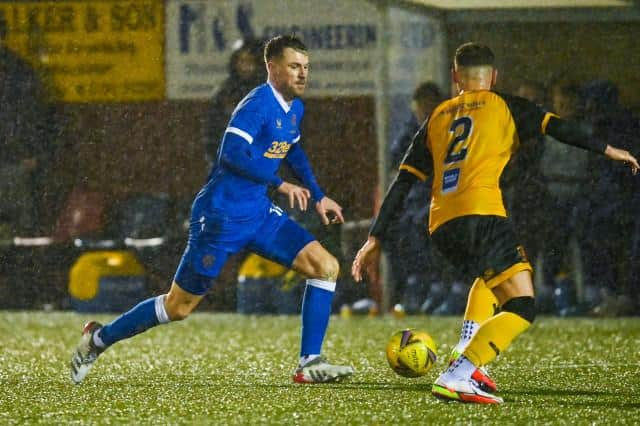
278	123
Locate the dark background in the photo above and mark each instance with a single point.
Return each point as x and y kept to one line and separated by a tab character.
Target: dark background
156	147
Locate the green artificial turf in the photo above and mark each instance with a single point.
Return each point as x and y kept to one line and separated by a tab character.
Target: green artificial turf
232	369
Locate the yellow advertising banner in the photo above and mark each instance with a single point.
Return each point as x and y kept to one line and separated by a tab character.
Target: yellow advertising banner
93	50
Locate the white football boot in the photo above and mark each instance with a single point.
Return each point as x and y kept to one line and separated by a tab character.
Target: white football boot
86	352
320	371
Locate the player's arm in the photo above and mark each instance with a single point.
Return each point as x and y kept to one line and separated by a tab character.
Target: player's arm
531	120
329	210
575	133
236	152
416	165
299	163
582	135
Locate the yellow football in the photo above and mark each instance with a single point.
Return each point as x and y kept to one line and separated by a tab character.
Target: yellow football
411	353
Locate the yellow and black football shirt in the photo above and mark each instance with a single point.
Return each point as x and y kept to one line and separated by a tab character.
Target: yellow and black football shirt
466	144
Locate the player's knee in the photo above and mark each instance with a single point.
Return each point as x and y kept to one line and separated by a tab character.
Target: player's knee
177	311
328	268
524	307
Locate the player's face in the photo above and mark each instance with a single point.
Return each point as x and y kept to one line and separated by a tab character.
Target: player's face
289	73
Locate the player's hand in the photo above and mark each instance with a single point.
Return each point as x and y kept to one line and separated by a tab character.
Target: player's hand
624	156
366	256
296	194
330	212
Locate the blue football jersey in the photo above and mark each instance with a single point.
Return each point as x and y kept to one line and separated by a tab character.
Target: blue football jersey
261	131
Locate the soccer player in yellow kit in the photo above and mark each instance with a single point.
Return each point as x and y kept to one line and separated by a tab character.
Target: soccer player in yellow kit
465	144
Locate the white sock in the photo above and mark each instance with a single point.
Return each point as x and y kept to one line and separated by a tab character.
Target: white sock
461	367
97	341
469	329
161	312
323	284
304	360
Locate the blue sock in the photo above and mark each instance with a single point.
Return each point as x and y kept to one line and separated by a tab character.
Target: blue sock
316	309
141	317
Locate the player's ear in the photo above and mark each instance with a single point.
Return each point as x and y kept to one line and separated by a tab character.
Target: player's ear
454	76
272	65
494	76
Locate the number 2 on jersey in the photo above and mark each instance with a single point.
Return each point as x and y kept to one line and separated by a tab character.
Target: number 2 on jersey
461	129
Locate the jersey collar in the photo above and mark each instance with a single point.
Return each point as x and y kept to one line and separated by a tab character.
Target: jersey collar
284	104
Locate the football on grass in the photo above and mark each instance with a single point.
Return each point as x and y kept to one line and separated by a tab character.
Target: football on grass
411	353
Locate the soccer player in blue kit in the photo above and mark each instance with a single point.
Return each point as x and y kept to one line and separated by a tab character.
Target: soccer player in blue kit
233	212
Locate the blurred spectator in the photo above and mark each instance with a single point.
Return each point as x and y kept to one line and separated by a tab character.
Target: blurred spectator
612	208
413	266
26	120
524	186
531	90
564	169
424	99
265	287
633	276
246	71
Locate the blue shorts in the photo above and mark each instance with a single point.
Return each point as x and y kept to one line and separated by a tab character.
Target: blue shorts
213	239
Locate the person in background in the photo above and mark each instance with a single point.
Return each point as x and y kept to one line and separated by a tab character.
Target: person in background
26	140
531	90
410	256
633	273
613	214
266	287
565	172
524	185
246	71
424	99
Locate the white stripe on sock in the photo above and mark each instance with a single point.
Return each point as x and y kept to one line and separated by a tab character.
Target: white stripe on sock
97	340
304	360
161	312
325	285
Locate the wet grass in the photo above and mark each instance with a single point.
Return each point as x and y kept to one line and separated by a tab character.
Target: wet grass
229	369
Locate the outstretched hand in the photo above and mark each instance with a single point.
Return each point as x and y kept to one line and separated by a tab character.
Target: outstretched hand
624	156
296	194
365	258
330	212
